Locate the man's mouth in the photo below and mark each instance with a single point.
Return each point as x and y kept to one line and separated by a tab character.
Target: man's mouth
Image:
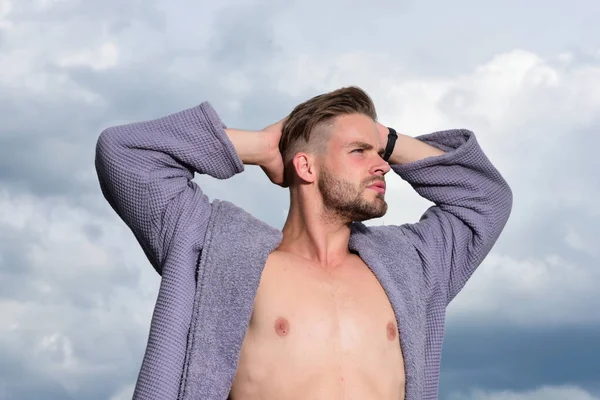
378	187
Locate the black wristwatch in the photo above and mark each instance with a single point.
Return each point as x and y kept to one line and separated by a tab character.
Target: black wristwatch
389	149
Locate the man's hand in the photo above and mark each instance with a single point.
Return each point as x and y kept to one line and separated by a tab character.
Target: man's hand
273	163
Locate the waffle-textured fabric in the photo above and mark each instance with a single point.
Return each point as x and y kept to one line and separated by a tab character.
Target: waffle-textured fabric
210	254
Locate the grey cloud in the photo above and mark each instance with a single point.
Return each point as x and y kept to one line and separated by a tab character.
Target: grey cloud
246	38
13	255
497	358
118	14
46	141
45	154
112	349
80	286
44	165
23	380
96	348
18	381
557	186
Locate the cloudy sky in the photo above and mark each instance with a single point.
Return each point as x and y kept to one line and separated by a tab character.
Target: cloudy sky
76	292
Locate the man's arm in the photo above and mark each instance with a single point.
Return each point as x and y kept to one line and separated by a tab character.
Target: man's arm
145	170
472	203
408	149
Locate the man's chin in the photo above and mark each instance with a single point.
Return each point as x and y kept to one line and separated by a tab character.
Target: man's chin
374	213
377	201
383	208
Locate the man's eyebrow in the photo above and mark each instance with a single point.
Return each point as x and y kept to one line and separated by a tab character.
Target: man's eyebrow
365	146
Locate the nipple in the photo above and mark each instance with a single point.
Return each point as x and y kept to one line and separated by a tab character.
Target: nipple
282	327
391	331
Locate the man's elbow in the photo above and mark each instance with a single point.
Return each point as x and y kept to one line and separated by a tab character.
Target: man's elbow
505	203
109	148
497	215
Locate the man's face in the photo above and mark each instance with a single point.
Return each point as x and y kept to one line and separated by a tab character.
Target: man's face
351	173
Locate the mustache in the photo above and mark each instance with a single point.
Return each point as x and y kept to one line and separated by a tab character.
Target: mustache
373	181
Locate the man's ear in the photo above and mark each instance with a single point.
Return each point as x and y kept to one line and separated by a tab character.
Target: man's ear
304	164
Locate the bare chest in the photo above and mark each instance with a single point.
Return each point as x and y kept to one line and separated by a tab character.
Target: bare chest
345	307
322	333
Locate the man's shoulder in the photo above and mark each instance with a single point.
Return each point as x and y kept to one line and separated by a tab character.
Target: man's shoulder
386	241
379	232
393	256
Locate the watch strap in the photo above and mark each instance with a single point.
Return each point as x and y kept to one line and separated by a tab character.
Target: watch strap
391	142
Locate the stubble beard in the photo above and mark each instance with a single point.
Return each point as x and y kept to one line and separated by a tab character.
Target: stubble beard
341	199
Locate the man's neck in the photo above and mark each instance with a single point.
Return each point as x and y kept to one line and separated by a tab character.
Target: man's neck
315	236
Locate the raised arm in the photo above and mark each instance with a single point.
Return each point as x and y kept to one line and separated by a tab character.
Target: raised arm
145	170
472	203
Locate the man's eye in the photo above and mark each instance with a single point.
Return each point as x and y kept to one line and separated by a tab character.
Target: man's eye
358	150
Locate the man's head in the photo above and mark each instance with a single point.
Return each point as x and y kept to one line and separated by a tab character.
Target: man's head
332	143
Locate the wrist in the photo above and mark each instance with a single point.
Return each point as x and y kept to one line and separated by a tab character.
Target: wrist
251	146
391	144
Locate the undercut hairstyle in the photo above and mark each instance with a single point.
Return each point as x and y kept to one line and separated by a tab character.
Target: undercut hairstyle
307	126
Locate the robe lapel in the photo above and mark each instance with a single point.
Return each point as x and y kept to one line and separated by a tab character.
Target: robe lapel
398	274
229	274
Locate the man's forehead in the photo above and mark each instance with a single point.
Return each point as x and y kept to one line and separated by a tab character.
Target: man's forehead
355	127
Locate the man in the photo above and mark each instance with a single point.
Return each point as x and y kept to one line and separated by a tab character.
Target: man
327	308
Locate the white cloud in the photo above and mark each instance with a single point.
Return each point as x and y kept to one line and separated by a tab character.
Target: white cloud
36	48
44	5
104	57
543	393
529	292
524	109
506	100
5	10
586	243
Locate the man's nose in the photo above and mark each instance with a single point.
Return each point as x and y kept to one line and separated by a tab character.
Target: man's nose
381	167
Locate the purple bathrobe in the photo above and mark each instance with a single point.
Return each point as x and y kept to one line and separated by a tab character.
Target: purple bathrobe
210	255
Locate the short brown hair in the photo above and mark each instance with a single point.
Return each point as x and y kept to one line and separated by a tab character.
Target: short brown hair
303	126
